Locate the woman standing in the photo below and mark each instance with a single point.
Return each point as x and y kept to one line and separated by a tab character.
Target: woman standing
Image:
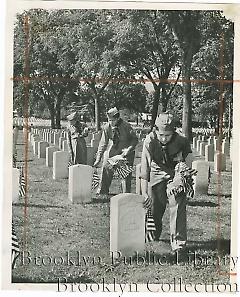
76	143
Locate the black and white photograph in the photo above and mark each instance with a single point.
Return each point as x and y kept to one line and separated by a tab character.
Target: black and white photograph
123	148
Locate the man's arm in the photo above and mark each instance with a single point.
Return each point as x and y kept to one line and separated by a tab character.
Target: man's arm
102	146
133	141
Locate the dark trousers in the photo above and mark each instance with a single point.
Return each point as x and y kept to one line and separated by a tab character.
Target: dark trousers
177	210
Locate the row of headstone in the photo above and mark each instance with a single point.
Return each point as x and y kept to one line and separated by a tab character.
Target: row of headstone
212	150
57	157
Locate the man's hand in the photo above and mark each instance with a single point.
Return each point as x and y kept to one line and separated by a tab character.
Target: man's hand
96	163
125	151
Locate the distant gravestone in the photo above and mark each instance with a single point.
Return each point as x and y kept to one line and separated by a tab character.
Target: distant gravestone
60	165
15	184
42	145
210	140
80	183
226	147
51	138
219	162
61	139
194	143
35	148
198	144
65	146
209	153
201	179
56	138
202	148
49	155
138	180
127	225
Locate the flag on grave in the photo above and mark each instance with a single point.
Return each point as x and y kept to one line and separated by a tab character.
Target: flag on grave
15	248
22	184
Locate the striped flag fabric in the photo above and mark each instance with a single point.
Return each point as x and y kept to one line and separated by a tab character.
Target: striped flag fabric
122	171
22	184
149	226
15	248
95	180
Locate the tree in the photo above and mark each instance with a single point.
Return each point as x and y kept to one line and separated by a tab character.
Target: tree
148	51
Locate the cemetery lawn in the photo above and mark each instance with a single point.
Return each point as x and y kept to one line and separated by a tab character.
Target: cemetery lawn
71	241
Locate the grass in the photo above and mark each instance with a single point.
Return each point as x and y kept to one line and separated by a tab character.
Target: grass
56	228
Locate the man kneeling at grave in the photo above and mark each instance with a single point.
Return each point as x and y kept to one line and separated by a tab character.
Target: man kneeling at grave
163	150
118	139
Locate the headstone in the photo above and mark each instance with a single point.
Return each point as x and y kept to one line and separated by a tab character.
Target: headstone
61	139
35	148
216	144
138	180
226	147
51	137
194	143
60	165
42	145
219	162
49	155
127	225
202	148
210	140
80	183
15	184
198	144
56	138
203	137
90	155
201	179
209	153
65	146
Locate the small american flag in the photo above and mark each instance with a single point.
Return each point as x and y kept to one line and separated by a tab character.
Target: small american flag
95	180
22	184
122	171
15	248
149	226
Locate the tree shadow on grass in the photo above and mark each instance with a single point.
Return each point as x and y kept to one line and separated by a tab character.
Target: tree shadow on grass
38	205
222	195
220	245
99	200
61	280
202	203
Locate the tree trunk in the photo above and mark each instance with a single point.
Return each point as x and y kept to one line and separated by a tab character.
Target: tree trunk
187	98
97	119
58	114
164	100
155	104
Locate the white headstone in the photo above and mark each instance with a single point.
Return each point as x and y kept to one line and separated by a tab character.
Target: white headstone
15	184
219	162
226	147
138	180
127	225
42	145
210	140
49	155
80	183
35	148
56	138
209	153
60	165
198	144
194	143
65	146
201	179
61	139
202	148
